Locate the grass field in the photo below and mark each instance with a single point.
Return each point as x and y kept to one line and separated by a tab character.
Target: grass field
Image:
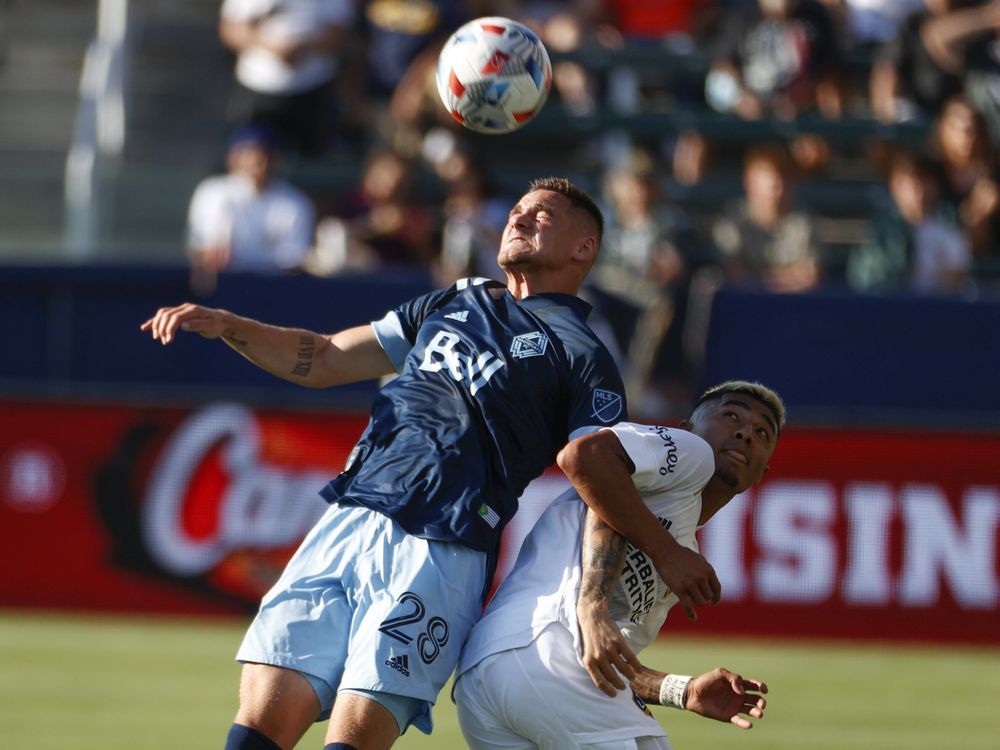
111	684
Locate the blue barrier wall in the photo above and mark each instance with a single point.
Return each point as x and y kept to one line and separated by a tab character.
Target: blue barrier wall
837	358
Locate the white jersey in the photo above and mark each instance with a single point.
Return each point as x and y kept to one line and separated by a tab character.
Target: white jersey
267	231
672	466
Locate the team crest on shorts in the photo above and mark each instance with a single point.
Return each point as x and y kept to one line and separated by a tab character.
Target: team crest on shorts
607	405
529	345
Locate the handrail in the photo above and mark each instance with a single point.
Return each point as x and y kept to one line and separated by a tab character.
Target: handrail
99	131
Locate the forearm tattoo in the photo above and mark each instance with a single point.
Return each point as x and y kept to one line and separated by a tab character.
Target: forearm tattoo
230	337
307	349
646	685
602	559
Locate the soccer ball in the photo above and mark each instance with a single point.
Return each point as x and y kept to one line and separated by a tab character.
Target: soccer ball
493	75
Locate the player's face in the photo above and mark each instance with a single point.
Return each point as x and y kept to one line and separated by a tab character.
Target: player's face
743	433
543	232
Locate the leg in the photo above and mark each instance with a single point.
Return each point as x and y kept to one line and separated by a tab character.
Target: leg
361	722
279	703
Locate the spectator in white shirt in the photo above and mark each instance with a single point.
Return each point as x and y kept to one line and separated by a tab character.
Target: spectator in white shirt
248	219
287	61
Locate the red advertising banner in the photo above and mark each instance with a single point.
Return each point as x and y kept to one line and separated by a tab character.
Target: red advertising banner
856	534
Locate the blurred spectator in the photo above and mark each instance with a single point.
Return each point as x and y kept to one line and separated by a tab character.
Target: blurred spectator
915	244
969	172
966	43
472	222
638	271
868	23
653	19
761	238
248	218
380	225
286	64
778	58
907	82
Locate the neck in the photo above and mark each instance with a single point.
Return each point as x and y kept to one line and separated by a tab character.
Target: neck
714	497
525	284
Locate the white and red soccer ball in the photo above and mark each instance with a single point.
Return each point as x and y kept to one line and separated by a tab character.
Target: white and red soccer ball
493	75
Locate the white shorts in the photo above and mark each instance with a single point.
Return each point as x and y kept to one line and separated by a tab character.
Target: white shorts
362	605
540	696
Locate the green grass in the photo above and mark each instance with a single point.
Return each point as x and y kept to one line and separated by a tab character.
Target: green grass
115	683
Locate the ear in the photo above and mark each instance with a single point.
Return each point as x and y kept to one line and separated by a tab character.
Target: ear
586	250
685	425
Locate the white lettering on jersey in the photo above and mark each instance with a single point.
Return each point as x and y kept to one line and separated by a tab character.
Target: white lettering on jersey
440	354
462	316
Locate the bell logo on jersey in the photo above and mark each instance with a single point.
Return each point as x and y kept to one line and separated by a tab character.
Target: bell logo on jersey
440	354
607	405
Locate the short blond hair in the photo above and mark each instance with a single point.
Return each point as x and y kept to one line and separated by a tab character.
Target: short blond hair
748	388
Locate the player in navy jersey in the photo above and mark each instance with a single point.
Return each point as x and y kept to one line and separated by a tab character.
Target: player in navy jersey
494	379
578	605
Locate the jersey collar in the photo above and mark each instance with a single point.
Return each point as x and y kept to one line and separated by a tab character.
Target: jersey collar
577	306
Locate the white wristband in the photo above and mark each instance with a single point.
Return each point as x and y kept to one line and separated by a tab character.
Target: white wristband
673	690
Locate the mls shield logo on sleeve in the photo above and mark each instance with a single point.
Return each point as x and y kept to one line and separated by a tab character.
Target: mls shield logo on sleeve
607	405
529	345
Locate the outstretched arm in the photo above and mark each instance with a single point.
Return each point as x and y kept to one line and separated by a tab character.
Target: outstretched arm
606	655
601	472
719	694
294	354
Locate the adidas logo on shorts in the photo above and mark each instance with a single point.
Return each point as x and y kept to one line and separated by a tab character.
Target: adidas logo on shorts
400	663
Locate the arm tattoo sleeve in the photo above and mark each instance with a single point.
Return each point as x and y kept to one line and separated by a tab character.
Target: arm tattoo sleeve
602	559
304	363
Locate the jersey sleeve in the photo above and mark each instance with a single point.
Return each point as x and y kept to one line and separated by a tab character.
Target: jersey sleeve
665	457
598	395
397	331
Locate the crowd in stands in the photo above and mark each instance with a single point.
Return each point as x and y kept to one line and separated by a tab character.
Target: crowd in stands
688	210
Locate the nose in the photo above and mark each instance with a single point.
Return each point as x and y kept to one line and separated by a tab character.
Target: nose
743	432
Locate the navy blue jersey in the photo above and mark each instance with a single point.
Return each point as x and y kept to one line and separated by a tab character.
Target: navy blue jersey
490	388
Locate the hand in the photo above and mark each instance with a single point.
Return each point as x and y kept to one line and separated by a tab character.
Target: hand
606	655
724	696
690	577
208	322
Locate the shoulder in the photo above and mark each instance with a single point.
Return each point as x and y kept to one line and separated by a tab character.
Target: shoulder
669	452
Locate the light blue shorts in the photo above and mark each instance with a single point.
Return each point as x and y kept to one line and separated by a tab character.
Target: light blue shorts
364	606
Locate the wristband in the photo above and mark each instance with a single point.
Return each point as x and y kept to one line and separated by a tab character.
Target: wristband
673	690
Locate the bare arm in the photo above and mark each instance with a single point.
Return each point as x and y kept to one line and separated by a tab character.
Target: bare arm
294	354
601	472
606	655
947	36
719	694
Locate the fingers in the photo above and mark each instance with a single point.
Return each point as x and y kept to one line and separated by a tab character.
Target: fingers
598	677
685	601
164	324
715	587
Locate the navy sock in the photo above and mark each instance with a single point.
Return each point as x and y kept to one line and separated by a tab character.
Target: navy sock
246	738
339	746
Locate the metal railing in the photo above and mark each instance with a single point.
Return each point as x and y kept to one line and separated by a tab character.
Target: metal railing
99	132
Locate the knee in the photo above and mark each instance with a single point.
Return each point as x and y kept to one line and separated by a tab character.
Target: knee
276	702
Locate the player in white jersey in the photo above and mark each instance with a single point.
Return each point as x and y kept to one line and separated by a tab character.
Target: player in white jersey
580	602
